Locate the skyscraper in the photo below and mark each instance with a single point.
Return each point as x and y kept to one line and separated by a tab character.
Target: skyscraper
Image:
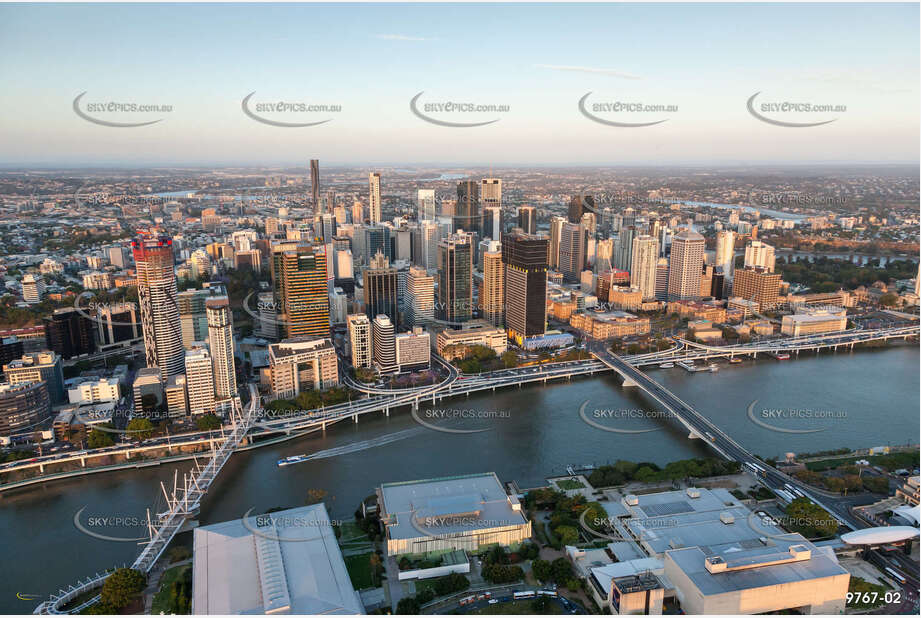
455	278
759	255
156	281
725	251
492	294
527	219
623	247
220	339
685	265
757	284
380	289
643	264
360	340
491	192
579	205
492	222
199	374
572	251
69	333
420	290
374	202
315	184
193	319
385	353
300	281
553	247
426	203
467	209
525	259
662	279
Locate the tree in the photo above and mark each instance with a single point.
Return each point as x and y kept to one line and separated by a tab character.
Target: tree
889	299
510	359
407	606
376	567
541	569
207	422
140	429
99	438
315	496
121	588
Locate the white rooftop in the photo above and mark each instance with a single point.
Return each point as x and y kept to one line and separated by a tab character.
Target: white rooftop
286	562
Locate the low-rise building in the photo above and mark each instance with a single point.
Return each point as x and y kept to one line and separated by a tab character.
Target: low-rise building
23	407
94	391
458	512
302	363
698	310
286	562
811	320
625	297
605	325
453	343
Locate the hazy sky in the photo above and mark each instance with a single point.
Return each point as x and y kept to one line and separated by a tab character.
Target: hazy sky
538	59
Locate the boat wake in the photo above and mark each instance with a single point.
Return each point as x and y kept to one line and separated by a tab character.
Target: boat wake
363	445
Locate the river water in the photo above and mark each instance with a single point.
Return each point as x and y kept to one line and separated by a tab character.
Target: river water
856	399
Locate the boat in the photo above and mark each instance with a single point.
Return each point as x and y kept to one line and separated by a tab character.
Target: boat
713	367
689	366
666	365
735	360
293	459
780	355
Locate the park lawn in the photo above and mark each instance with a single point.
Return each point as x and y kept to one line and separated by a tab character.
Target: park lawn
892	461
860	585
568	484
359	568
161	600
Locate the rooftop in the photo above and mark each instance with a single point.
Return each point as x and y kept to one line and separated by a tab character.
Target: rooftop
284	563
447	506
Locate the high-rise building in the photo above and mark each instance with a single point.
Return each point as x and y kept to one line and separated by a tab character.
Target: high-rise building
199	373
623	247
492	294
117	256
757	284
33	288
662	279
220	340
315	184
525	259
573	238
455	277
69	333
299	276
381	289
413	350
429	235
192	316
360	340
492	222
23	406
385	354
685	263
553	248
376	240
759	255
579	205
177	396
467	209
491	192
643	263
338	306
426	203
358	212
374	202
420	289
527	219
157	296
725	251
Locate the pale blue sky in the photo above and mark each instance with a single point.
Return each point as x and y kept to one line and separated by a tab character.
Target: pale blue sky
373	58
